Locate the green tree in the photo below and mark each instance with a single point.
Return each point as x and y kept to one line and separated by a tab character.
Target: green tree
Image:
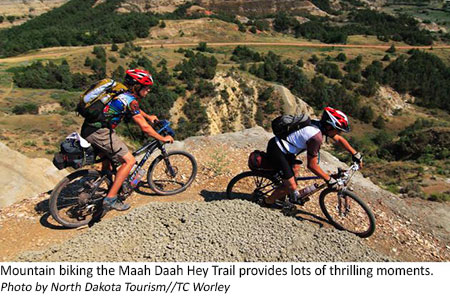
341	57
87	61
314	59
391	49
118	74
366	114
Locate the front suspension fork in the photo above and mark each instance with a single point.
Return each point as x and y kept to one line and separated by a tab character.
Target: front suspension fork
170	169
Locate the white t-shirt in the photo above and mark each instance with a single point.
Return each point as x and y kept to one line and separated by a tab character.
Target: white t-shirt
307	138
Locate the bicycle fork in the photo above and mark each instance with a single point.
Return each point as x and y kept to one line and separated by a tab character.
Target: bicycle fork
343	207
169	169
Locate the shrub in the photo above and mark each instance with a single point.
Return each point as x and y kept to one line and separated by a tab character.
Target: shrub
391	49
440	197
205	89
202	47
379	123
341	57
245	54
25	108
386	58
329	69
314	59
87	62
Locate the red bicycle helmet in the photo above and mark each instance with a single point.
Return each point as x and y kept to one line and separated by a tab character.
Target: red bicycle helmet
137	76
335	118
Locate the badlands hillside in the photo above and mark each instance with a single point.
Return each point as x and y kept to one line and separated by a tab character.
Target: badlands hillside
218	75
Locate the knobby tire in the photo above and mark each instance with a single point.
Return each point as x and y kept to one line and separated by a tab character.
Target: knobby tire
160	178
361	221
64	200
247	184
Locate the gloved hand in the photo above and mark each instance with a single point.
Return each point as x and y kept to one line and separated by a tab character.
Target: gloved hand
358	158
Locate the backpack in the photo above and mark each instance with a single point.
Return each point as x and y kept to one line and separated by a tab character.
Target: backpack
258	161
74	153
94	100
284	125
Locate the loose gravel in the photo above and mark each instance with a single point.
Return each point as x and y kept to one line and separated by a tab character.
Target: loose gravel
230	230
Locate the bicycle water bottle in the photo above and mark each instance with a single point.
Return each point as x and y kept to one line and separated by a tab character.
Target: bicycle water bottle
137	178
308	190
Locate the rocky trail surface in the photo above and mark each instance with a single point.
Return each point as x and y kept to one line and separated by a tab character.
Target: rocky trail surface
200	225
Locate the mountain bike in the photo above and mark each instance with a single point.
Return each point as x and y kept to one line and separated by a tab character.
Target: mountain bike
343	208
77	199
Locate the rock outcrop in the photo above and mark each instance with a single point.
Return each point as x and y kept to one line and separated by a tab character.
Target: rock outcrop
22	177
388	100
261	7
247	7
293	104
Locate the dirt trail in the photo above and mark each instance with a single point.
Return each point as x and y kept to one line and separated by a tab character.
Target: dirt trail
401	232
27	225
57	52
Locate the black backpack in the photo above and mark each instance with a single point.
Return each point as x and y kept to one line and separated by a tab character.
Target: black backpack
284	125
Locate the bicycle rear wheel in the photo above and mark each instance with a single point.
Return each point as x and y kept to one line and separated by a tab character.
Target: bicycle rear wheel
77	197
172	174
251	186
346	211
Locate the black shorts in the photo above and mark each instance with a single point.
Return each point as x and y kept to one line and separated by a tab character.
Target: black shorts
281	161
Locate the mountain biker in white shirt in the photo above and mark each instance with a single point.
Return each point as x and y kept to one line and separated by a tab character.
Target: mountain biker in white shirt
282	153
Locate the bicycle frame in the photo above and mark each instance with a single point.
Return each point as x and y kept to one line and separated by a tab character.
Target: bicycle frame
149	148
342	181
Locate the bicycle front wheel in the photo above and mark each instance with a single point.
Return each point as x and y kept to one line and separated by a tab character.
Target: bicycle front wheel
251	186
77	197
172	174
346	211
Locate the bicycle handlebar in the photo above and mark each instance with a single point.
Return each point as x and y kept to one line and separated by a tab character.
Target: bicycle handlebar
343	176
165	128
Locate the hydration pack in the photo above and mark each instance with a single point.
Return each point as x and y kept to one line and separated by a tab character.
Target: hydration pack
284	125
94	100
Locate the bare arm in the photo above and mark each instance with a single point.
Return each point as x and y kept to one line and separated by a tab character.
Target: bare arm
147	129
150	118
344	144
313	166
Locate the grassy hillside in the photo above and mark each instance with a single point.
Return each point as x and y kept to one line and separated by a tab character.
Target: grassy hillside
79	22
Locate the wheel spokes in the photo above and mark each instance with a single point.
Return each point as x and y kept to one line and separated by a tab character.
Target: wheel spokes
347	213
